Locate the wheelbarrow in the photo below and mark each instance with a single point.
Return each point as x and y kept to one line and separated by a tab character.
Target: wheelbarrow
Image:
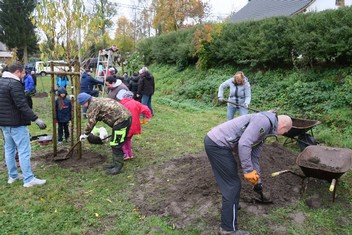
299	130
325	163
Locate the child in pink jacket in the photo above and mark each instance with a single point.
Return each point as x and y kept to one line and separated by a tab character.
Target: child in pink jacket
136	109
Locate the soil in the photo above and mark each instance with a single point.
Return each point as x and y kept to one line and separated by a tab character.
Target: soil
184	189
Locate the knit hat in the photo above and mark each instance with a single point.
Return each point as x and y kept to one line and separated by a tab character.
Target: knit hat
83	98
128	94
61	90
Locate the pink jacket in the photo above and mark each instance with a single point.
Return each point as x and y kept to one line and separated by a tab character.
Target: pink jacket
136	109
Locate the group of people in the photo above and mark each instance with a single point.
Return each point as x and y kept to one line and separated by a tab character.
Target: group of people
121	111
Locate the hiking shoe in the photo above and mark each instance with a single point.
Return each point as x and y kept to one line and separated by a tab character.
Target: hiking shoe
12	180
131	157
237	232
33	182
59	143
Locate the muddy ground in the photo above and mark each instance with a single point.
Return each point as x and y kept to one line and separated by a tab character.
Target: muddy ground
184	189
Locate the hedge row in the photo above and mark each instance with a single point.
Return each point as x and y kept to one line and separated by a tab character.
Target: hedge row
312	39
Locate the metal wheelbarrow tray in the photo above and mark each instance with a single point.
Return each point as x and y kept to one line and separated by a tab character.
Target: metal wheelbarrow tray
325	163
300	126
299	130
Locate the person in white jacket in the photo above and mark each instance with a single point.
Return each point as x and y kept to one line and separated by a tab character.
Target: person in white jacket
240	93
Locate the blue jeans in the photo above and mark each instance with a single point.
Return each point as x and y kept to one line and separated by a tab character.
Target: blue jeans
231	110
147	100
18	137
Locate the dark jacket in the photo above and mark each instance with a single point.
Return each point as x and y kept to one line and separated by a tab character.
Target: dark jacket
88	82
63	107
14	109
146	84
133	84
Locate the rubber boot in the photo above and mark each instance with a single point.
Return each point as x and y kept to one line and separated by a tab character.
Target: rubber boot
109	166
118	164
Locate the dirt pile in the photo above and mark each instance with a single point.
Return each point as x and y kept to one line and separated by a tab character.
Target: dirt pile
185	190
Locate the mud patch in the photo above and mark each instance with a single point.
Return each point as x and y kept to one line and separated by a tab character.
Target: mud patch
88	160
185	190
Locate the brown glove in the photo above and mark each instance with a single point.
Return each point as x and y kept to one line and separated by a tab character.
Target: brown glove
252	177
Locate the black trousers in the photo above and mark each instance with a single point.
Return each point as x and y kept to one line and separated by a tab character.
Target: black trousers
63	127
224	168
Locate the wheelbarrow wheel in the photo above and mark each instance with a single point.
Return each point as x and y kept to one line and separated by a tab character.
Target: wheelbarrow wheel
306	140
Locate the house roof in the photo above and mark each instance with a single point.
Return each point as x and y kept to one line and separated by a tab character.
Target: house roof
260	9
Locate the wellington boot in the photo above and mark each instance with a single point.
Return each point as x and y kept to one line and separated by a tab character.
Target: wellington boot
109	166
114	171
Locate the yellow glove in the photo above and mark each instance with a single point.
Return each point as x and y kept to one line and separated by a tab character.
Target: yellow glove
252	177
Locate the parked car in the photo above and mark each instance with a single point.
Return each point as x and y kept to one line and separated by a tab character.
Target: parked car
30	66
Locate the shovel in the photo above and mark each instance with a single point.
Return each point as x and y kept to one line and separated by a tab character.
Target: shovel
262	200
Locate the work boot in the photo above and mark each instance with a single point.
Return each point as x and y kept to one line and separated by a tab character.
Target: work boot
109	166
117	165
114	171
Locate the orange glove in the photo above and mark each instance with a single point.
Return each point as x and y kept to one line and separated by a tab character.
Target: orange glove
252	177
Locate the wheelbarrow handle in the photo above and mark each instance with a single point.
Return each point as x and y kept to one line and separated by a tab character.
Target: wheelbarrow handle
279	173
332	185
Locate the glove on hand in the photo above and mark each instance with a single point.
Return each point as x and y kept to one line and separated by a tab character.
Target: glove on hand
40	123
221	99
83	137
245	106
252	177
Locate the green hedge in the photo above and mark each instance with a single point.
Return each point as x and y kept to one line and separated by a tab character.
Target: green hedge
312	39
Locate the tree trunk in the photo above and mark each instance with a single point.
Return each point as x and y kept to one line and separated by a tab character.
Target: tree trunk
25	54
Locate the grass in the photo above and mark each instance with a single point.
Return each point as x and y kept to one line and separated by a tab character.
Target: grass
90	202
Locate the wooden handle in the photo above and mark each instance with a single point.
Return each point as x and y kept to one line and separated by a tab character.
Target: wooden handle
332	185
279	173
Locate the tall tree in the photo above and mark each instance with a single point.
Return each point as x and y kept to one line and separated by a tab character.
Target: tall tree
124	35
103	11
16	28
171	15
62	22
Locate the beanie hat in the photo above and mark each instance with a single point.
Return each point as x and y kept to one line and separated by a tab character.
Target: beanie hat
83	98
61	90
142	70
128	94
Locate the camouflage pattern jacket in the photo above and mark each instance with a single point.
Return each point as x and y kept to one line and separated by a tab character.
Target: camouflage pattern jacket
106	110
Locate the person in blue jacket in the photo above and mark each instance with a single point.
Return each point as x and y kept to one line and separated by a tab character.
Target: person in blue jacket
240	93
245	133
62	81
29	88
63	108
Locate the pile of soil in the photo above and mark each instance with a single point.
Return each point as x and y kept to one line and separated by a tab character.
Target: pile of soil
185	190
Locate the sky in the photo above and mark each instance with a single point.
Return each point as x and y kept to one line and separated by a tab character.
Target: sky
223	8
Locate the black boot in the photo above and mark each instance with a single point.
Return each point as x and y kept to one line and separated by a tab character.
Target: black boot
114	171
109	166
117	165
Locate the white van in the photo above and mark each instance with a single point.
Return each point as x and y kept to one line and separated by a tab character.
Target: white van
42	68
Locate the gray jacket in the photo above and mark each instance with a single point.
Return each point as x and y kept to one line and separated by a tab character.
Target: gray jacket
248	133
238	94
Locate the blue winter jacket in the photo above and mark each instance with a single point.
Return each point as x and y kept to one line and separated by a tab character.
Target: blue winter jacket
28	83
88	82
